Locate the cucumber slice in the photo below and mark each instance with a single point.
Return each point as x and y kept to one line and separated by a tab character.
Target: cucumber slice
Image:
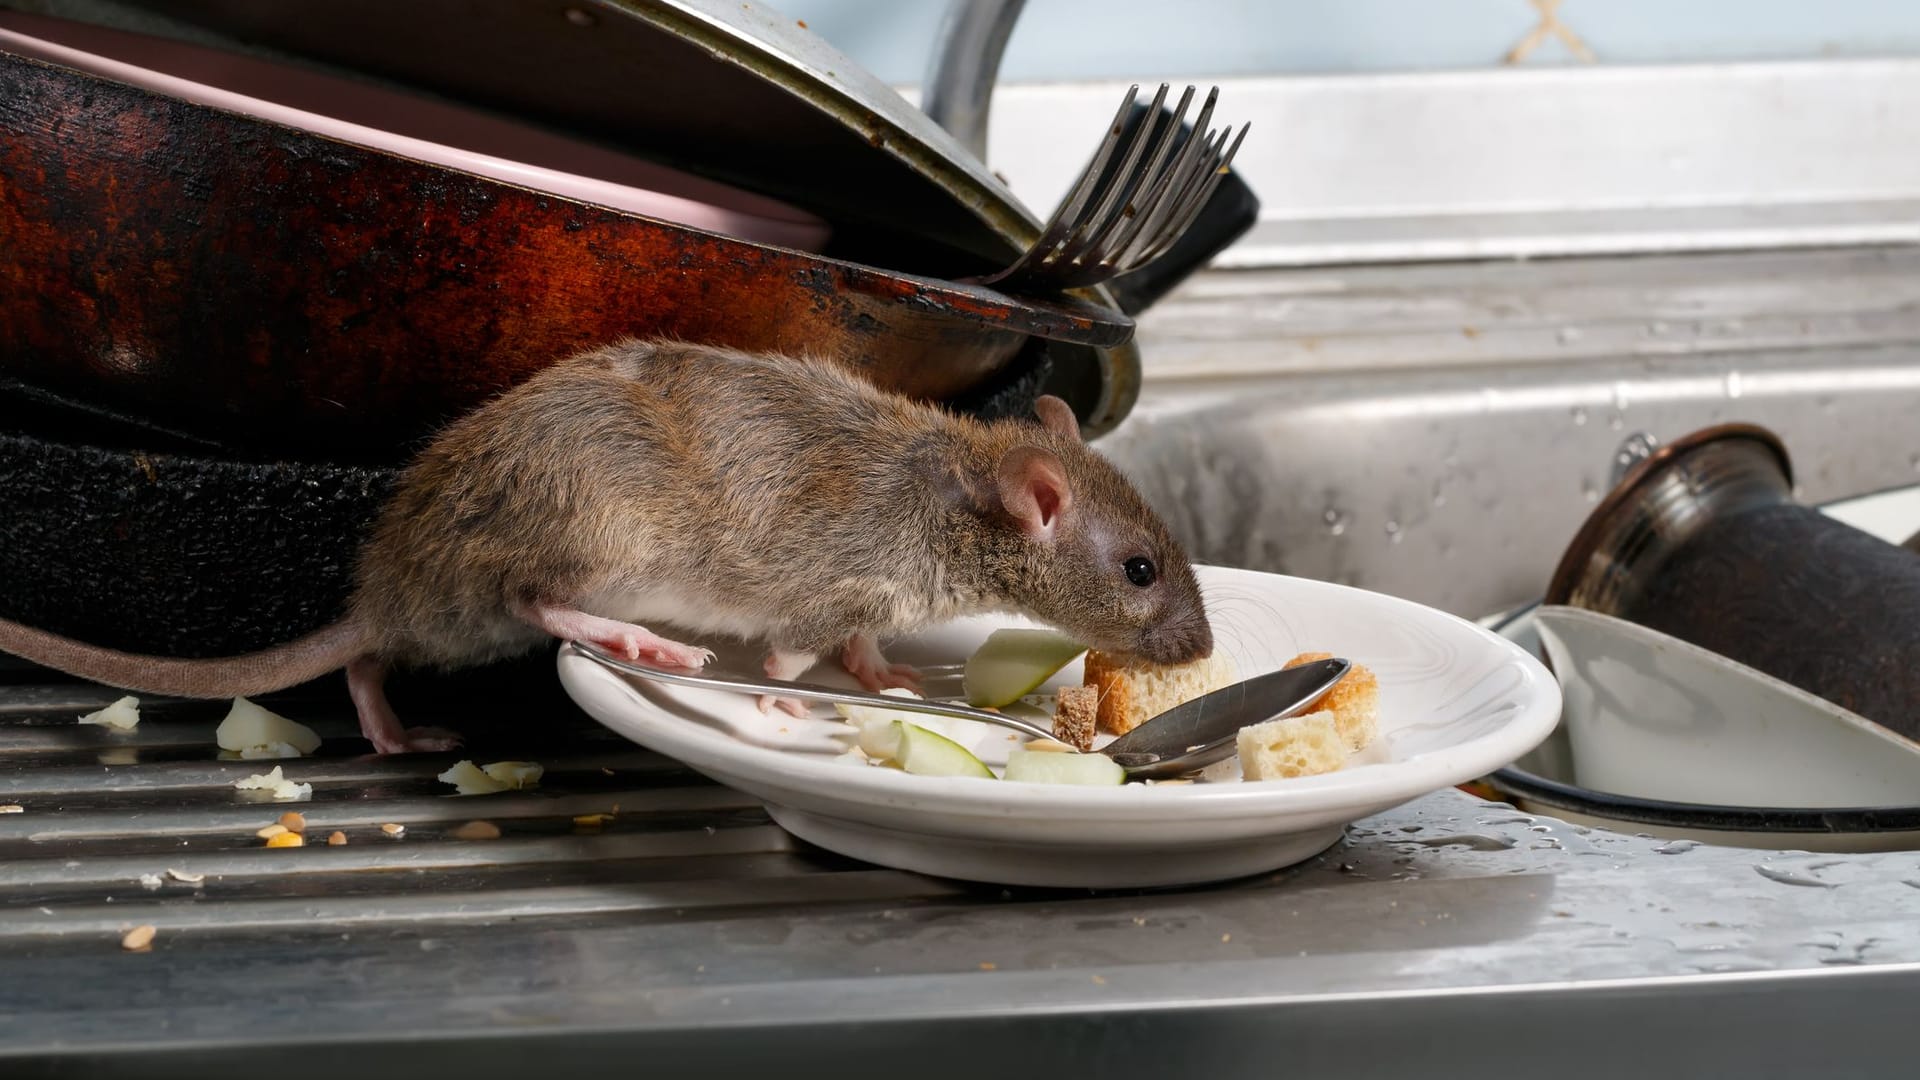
879	734
925	754
880	737
1052	767
1011	664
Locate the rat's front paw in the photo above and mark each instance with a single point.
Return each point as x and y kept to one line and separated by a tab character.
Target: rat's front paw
864	661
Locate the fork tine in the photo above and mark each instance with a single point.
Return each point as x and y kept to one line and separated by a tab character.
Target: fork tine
1103	252
1151	206
1056	231
1199	201
1125	178
1076	198
1193	173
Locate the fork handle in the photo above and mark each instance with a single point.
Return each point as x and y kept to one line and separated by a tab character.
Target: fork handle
812	692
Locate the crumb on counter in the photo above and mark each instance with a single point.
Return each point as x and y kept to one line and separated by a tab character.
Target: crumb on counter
336	839
477	830
122	715
139	939
283	789
394	830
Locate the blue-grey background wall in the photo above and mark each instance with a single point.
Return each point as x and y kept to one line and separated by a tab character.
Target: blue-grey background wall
1142	39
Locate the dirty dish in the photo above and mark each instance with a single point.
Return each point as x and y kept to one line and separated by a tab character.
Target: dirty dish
1456	702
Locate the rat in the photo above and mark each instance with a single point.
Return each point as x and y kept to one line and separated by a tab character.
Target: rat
776	499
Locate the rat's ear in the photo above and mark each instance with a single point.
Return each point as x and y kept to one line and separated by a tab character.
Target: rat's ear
1057	416
1033	488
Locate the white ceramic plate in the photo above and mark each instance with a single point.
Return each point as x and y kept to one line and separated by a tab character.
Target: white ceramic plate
412	127
1654	717
1456	702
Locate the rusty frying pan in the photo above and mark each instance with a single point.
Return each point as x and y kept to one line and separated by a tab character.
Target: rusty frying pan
287	295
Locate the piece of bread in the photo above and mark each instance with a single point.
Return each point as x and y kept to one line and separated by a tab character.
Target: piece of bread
1354	701
1075	712
1133	693
1291	746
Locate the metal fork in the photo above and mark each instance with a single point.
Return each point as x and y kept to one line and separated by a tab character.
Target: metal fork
1116	220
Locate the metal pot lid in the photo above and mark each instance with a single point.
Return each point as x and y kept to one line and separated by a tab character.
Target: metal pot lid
728	89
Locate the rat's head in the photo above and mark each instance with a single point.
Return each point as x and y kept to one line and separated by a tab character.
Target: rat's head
1078	547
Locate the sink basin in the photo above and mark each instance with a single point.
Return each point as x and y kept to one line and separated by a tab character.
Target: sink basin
1438	432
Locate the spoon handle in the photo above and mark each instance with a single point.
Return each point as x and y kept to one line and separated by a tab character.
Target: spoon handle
811	691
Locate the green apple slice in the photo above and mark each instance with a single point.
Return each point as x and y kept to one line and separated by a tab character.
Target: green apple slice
1011	664
925	754
1052	767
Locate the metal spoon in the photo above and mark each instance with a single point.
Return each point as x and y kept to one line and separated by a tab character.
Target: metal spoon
1182	740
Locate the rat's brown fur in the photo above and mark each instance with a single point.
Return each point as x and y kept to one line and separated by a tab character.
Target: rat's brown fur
775	499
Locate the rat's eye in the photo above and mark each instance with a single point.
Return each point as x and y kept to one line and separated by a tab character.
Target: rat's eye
1140	571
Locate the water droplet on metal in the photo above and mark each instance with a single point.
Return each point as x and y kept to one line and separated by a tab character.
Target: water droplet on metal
1579	416
1393	532
1336	521
1733	384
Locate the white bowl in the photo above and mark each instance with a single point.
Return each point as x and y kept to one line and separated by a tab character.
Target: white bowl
1455	703
412	127
1651	716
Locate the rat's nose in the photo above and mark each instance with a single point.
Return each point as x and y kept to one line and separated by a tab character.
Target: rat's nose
1179	643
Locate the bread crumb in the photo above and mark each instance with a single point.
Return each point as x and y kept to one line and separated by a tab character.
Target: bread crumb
1098	981
393	830
1076	710
477	830
1133	693
122	715
139	939
13	808
150	881
591	821
1224	938
1354	701
336	838
287	839
294	820
268	832
1291	746
988	965
185	877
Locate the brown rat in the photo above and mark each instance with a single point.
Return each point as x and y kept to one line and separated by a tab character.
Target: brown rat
769	499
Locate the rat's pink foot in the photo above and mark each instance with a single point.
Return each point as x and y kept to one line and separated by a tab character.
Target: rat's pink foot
366	683
622	639
863	660
786	666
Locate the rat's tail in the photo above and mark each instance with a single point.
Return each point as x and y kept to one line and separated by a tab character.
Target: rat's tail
326	649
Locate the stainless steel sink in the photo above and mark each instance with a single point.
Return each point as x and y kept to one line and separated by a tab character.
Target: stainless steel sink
1438	432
